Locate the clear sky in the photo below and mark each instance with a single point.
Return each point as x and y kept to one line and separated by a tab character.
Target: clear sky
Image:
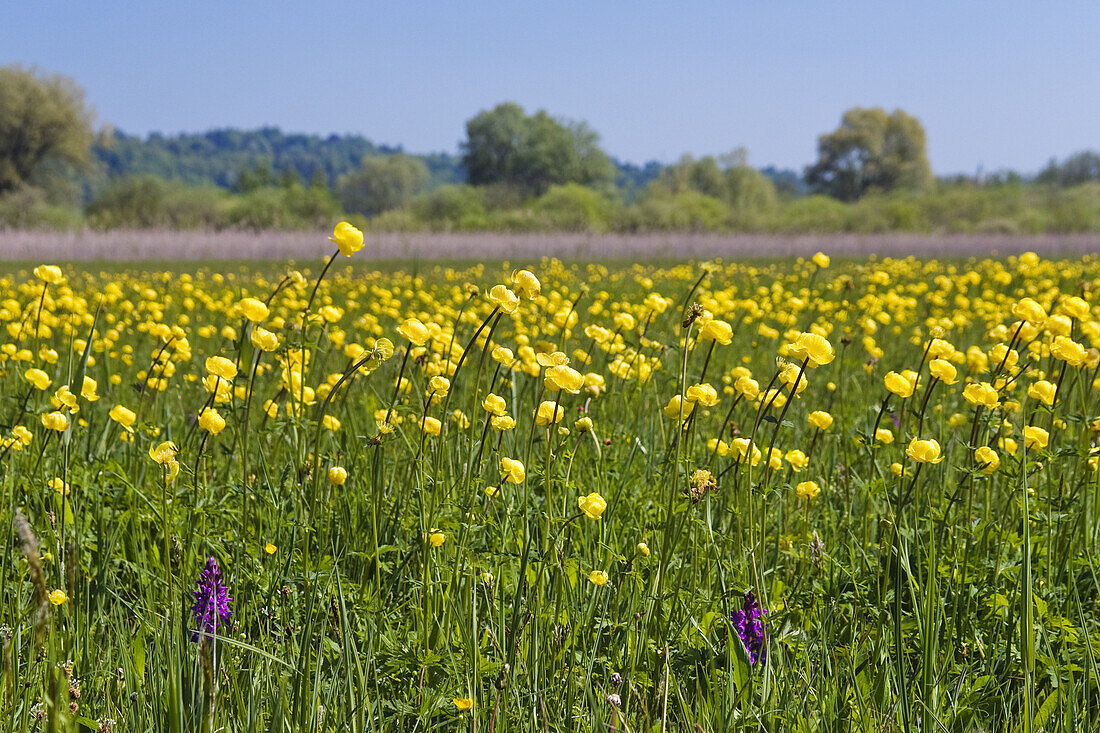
1002	84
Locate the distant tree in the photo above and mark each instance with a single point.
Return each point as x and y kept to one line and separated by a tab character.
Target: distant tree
1078	168
871	150
382	183
532	152
728	178
45	126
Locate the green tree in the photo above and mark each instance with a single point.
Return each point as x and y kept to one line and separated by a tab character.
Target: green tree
532	152
45	127
871	150
1078	168
382	183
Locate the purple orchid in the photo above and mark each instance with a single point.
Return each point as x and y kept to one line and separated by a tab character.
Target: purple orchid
749	622
211	608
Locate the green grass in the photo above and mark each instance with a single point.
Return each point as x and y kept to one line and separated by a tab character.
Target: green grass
941	598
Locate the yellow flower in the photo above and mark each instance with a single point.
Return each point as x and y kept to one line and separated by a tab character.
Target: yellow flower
807	490
1042	391
943	370
331	423
797	459
88	389
38	378
548	413
164	452
58	485
715	330
598	577
512	471
415	331
219	366
814	347
57	597
583	424
431	426
49	274
57	421
563	378
703	394
897	469
1030	311
987	459
821	260
270	549
748	387
1075	307
348	239
337	475
263	339
884	435
463	703
820	419
592	505
526	284
211	421
503	298
502	422
643	549
899	384
981	393
252	309
1035	437
436	538
439	386
672	409
924	451
1068	351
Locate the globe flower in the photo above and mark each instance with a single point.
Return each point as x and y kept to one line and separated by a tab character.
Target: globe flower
1075	307
512	471
221	367
88	389
675	405
164	452
415	331
58	596
563	378
252	309
123	416
436	538
526	284
270	549
50	274
643	549
981	393
943	370
494	404
924	451
548	413
740	447
1043	391
898	384
1035	437
583	424
431	425
598	577
348	239
807	490
211	421
717	331
820	419
263	339
884	436
1029	310
987	459
702	394
1069	351
502	422
748	387
797	459
38	378
462	703
813	347
592	505
503	298
57	421
337	475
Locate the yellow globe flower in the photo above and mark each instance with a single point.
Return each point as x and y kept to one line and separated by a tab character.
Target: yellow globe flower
502	422
436	538
884	436
1035	437
820	419
263	339
987	459
50	274
943	370
1069	351
512	471
592	505
164	452
252	309
718	331
348	238
219	366
337	475
1029	310
494	404
675	405
38	378
924	451
821	260
1043	391
270	549
463	703
899	384
211	421
643	549
57	421
548	413
813	347
57	597
702	394
123	416
503	298
598	577
526	284
981	393
415	331
583	424
807	490
431	425
563	378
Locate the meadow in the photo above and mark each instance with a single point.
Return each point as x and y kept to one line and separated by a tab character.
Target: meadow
782	495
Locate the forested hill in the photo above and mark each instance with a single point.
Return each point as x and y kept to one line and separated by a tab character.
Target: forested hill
219	157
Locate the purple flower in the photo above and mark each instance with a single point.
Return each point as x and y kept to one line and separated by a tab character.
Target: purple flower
749	622
211	608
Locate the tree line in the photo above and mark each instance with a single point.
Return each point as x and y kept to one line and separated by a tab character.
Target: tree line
516	171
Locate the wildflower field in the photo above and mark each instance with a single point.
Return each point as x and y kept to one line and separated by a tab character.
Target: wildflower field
793	495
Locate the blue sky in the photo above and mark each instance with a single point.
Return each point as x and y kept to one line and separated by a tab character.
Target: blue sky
1002	84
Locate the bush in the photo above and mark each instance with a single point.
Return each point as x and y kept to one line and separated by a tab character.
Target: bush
684	211
27	207
817	213
574	208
